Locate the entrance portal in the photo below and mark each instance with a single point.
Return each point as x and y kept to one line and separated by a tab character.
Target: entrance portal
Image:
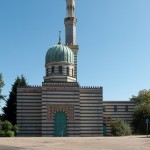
104	129
60	124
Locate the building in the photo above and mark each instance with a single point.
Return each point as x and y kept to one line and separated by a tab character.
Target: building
61	107
113	110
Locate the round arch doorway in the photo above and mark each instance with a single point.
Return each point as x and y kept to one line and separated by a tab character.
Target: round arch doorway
60	124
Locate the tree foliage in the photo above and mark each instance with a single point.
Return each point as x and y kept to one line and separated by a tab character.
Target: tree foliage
9	110
120	128
143	97
142	111
1	86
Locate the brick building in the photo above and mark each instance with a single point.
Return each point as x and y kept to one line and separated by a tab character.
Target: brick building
60	106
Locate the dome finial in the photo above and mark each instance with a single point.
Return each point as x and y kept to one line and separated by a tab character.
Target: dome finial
59	37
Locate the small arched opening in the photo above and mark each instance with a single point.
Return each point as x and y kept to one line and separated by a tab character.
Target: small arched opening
53	70
67	71
104	129
60	70
72	72
46	71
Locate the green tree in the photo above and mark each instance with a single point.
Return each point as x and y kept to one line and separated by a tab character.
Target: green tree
1	86
142	111
142	97
120	128
9	110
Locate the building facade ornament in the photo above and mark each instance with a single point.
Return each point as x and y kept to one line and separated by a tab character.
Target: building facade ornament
68	109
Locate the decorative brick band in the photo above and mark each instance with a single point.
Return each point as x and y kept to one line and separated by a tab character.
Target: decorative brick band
68	109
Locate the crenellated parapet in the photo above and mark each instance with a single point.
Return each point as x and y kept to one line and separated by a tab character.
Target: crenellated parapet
29	89
66	84
91	87
30	86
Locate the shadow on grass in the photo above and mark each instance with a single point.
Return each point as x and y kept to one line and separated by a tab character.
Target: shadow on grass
144	136
4	147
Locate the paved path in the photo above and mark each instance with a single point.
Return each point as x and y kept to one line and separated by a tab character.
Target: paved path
69	143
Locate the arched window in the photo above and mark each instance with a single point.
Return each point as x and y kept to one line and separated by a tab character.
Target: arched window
60	70
72	72
46	71
67	71
53	70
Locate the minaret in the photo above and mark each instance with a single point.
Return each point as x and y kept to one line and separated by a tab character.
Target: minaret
70	29
70	23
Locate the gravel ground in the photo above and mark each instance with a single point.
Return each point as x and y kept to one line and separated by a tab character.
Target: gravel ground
77	143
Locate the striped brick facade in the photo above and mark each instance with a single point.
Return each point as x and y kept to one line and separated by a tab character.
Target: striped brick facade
84	117
86	111
60	94
91	115
113	110
29	108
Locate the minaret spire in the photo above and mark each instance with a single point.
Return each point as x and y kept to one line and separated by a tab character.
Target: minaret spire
59	37
70	7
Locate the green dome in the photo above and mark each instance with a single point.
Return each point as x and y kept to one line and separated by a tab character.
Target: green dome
59	53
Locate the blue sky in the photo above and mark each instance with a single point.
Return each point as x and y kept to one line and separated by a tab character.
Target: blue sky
113	35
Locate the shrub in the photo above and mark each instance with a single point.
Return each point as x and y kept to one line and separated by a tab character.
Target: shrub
9	133
2	133
120	128
6	125
8	130
15	129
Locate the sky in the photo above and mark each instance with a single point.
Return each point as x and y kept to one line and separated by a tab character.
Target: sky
113	38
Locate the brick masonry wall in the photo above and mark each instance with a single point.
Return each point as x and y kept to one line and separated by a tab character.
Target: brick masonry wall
91	115
60	94
117	110
29	111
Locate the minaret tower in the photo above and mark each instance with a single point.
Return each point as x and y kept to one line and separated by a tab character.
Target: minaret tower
70	23
70	29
